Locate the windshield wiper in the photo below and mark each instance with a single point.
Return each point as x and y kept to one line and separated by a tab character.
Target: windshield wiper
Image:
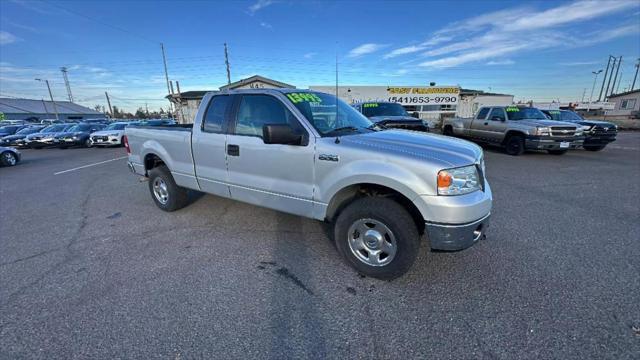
344	128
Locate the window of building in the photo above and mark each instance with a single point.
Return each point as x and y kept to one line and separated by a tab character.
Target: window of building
628	104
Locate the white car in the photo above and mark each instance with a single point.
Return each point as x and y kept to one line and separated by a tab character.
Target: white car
9	156
111	135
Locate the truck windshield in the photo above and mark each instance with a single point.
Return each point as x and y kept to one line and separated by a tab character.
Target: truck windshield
383	109
566	115
328	114
115	127
522	113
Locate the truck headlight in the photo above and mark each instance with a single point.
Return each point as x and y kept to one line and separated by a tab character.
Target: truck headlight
543	131
458	181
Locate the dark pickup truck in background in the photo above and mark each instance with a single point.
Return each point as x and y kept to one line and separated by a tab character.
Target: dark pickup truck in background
390	115
597	133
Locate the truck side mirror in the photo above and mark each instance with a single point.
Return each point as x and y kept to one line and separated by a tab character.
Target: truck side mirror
280	134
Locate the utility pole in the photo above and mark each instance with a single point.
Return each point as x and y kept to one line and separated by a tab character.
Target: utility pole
109	103
605	78
616	77
166	74
146	106
66	83
584	92
45	108
613	66
55	108
633	85
595	78
226	62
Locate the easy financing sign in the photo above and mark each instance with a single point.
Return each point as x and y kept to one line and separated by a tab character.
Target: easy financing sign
405	95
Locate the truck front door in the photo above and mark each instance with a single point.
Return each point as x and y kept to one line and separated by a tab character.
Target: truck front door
496	125
276	176
208	144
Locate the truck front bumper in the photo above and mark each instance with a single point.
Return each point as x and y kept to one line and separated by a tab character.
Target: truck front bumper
452	237
552	143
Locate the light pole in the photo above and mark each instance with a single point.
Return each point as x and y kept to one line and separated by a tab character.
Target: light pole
595	78
55	108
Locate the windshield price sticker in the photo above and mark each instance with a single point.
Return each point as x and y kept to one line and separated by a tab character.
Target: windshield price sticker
512	109
304	97
370	105
412	100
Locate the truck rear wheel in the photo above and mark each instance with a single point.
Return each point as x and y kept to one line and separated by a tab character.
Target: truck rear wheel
514	145
378	237
165	193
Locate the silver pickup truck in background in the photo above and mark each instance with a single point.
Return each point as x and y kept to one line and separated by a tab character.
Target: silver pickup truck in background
516	128
310	154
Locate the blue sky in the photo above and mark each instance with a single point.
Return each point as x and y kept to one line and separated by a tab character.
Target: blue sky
540	50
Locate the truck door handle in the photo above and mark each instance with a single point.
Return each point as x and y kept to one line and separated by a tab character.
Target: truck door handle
486	123
233	150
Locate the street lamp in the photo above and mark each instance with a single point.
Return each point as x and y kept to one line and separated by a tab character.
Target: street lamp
595	78
55	107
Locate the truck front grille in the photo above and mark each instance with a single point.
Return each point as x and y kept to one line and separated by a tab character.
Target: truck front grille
563	131
600	130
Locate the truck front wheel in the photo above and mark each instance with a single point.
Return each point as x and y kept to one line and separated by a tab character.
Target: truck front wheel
514	145
378	237
165	193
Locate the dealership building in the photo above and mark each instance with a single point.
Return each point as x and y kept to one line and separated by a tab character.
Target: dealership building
430	103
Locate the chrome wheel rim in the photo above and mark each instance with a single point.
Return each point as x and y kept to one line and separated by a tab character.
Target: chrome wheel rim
372	242
11	160
160	191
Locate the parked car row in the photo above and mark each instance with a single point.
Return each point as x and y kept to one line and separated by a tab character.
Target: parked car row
520	128
65	135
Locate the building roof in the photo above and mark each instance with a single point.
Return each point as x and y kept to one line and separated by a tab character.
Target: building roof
253	78
30	106
189	95
625	93
480	92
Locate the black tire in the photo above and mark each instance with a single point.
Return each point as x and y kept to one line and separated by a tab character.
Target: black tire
392	215
63	147
594	147
87	143
557	152
514	145
177	197
8	158
121	142
448	131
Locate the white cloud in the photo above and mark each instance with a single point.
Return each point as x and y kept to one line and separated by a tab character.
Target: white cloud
579	63
435	40
489	37
7	38
309	55
365	49
259	5
501	62
266	25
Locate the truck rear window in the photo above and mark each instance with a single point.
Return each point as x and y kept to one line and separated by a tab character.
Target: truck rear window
214	118
483	113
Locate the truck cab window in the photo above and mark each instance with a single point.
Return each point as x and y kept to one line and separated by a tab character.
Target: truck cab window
255	111
497	114
214	118
483	114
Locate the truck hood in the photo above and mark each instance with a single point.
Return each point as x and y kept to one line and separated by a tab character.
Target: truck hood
546	123
383	119
445	151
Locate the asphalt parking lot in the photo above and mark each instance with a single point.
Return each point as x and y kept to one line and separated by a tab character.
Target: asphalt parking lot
90	268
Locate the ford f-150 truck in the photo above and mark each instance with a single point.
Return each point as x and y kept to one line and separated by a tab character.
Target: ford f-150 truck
516	128
310	154
389	115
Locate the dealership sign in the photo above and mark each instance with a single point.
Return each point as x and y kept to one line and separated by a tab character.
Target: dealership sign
405	95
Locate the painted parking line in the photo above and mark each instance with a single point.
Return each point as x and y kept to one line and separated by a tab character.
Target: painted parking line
89	165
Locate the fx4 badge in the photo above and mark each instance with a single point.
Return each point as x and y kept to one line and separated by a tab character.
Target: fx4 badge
328	157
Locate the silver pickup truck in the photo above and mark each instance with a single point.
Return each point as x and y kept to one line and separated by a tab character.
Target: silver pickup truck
516	128
310	154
